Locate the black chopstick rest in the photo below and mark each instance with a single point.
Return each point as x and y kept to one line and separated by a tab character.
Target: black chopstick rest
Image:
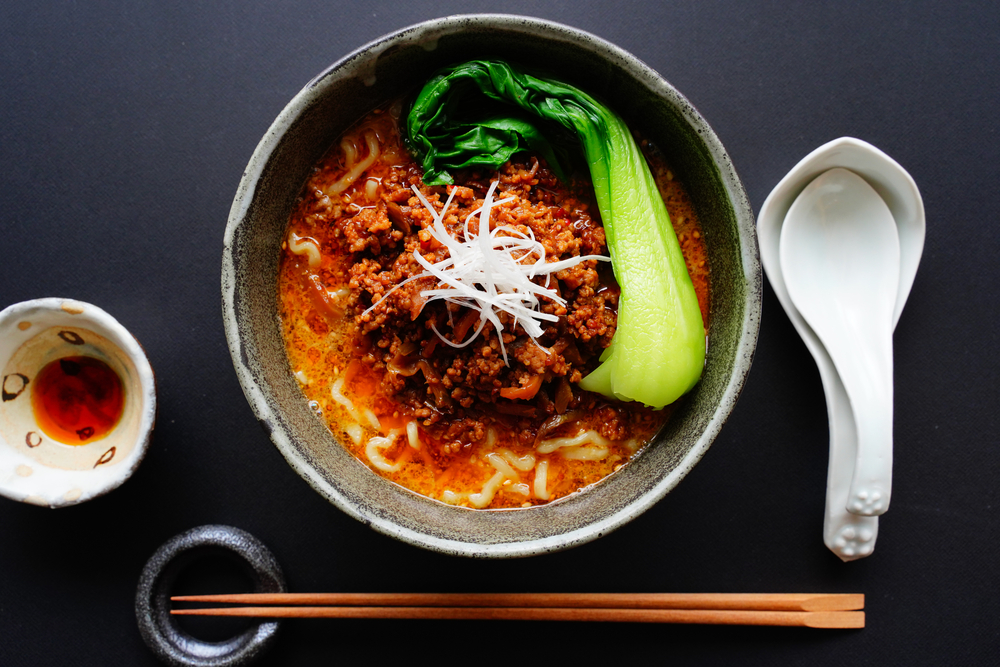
161	631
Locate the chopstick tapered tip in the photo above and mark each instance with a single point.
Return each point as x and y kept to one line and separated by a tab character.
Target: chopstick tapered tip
835	602
843	620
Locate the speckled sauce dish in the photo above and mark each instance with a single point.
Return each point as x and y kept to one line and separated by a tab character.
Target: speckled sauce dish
36	467
391	66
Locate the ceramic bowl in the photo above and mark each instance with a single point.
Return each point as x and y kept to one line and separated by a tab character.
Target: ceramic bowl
35	467
385	69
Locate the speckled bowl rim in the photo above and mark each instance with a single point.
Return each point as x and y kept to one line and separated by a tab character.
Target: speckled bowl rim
381	520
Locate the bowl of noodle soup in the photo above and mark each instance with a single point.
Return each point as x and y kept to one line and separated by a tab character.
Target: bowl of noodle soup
329	131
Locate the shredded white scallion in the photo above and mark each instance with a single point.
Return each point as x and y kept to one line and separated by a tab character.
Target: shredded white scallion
490	271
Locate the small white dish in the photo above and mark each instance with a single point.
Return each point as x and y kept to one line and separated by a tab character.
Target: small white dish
847	535
35	467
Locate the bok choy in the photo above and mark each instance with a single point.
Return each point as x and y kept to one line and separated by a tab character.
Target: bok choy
658	351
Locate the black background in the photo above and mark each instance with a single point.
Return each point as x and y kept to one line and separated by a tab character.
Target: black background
124	129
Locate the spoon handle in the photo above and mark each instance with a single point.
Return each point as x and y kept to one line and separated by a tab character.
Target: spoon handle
847	535
868	382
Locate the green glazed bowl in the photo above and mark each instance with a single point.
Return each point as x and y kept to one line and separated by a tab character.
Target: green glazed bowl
387	68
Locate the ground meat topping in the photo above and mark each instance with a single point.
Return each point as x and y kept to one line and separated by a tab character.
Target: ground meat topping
559	219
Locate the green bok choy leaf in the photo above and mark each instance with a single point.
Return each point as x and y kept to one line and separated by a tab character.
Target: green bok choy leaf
658	351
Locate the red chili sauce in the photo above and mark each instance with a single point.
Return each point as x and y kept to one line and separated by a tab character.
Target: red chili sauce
77	400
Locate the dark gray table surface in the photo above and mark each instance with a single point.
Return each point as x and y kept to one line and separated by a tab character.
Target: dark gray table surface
124	129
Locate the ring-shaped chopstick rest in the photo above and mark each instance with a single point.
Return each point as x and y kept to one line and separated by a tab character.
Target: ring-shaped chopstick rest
161	631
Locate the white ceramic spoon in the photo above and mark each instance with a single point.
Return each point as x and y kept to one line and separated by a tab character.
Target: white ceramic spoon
839	252
847	535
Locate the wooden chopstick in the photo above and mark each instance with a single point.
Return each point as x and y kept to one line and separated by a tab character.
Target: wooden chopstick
809	619
730	601
784	609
